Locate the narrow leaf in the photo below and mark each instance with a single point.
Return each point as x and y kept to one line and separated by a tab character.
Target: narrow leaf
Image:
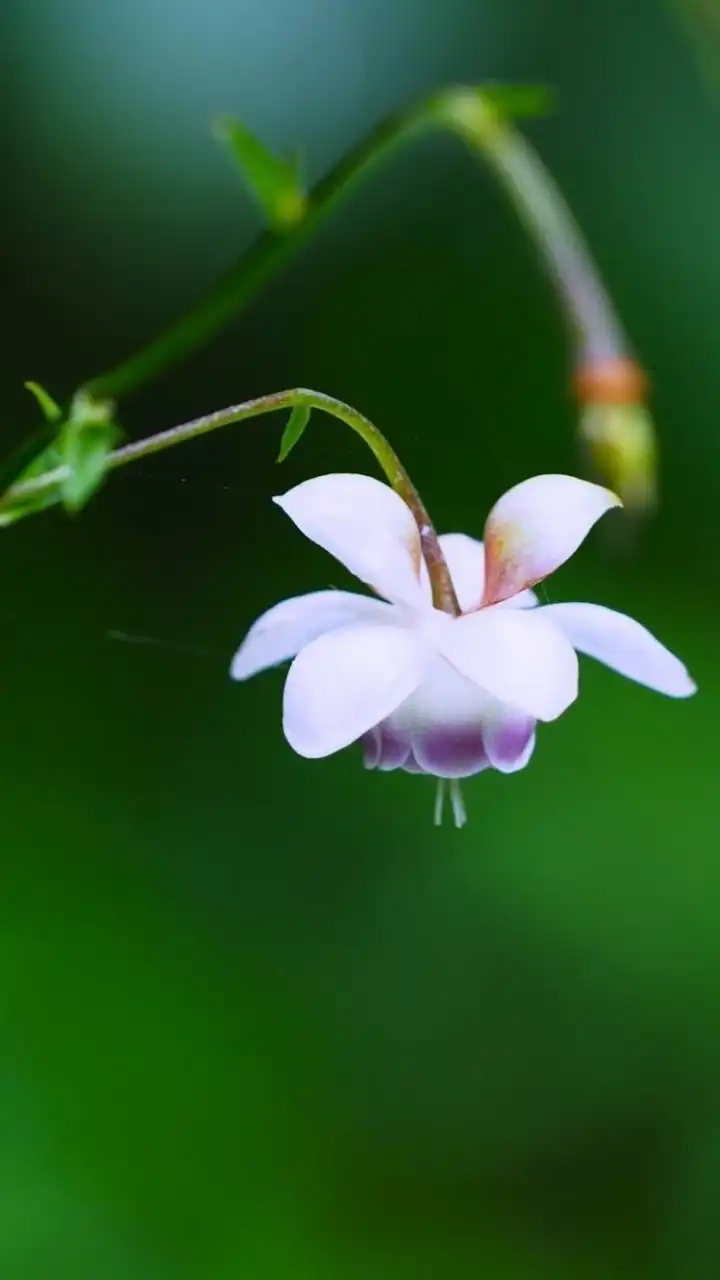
297	423
51	410
273	181
49	459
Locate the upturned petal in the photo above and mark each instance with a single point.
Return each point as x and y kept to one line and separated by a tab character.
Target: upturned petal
465	558
282	632
623	644
517	656
366	526
535	527
347	681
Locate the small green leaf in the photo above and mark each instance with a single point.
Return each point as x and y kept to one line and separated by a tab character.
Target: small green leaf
51	410
87	447
274	181
80	453
516	100
297	423
85	444
24	460
49	459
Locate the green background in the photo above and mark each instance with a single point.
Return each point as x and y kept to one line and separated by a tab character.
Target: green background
258	1017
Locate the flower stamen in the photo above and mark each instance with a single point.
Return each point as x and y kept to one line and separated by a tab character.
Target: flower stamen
439	802
458	804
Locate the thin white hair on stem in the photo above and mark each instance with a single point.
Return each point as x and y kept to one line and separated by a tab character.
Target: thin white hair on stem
153	642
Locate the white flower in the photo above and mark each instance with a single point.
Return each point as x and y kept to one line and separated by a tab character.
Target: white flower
426	692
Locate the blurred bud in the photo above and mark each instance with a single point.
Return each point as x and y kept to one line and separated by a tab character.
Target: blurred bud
85	444
72	466
617	432
33	458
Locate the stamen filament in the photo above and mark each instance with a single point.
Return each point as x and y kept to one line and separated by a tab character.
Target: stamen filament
458	804
439	802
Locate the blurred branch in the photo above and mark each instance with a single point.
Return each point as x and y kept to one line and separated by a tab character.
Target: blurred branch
277	245
547	218
700	22
615	428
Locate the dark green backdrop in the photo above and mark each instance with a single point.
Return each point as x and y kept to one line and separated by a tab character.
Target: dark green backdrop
258	1016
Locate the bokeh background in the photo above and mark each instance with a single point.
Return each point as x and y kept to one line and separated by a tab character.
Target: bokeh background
258	1016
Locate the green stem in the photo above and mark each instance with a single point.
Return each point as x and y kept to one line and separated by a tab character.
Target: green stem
274	248
442	588
540	205
466	112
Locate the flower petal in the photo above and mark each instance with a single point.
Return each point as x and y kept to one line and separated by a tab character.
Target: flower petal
411	765
509	740
465	558
525	599
347	681
451	751
516	655
623	644
385	749
285	629
442	720
535	527
366	526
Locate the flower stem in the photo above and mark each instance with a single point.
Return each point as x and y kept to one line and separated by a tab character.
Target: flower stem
544	213
442	588
468	112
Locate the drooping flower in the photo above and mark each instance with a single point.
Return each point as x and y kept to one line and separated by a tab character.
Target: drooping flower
424	691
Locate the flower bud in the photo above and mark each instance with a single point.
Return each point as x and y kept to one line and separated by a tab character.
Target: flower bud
617	432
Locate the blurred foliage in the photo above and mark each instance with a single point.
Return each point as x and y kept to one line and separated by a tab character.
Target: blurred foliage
260	1018
700	20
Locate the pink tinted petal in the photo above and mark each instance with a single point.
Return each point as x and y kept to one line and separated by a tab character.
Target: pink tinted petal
465	558
366	526
283	631
411	765
535	527
371	748
516	655
624	645
347	681
509	741
386	748
442	720
451	751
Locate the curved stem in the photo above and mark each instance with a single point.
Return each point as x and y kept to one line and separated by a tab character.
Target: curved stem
235	290
469	113
543	211
443	592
